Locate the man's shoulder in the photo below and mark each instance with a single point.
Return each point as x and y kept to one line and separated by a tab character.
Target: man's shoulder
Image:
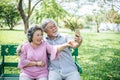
66	36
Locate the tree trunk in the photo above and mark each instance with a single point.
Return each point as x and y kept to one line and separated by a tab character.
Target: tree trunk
22	14
26	25
97	28
97	23
11	26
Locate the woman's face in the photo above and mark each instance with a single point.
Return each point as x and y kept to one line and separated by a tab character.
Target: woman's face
37	37
51	30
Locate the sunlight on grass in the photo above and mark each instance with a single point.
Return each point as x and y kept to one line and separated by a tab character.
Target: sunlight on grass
12	37
98	58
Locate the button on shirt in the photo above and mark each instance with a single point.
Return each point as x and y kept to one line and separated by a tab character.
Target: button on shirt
64	62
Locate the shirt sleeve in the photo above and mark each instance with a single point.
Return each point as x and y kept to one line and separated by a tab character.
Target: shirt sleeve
23	61
52	50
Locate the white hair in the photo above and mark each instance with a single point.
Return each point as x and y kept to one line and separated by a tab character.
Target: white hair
45	22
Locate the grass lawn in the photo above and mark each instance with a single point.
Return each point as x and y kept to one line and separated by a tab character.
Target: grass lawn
99	54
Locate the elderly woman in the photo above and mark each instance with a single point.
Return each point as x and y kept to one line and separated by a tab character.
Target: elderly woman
33	58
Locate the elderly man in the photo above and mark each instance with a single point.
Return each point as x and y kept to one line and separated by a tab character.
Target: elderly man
62	68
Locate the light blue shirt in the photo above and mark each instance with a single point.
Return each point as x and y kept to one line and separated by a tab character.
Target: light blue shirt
64	63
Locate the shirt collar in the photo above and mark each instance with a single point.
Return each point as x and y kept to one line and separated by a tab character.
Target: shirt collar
58	36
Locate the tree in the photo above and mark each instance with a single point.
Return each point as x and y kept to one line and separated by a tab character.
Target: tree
73	22
50	9
112	15
117	19
8	14
26	15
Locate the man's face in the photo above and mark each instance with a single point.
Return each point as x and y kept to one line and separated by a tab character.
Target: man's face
51	30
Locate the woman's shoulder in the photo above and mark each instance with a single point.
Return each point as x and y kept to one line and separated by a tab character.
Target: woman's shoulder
26	44
44	42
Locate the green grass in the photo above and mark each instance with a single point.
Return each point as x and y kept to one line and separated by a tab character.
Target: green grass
99	54
12	37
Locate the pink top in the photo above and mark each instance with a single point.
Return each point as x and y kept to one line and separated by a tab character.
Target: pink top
36	54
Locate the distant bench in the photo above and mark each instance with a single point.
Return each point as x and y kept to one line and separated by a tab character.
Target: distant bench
10	50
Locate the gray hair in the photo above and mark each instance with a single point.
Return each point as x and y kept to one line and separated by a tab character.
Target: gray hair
31	31
45	22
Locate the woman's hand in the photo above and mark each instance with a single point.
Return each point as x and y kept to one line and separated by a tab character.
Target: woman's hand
40	63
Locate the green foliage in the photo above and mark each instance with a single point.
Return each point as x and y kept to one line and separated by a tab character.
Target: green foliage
113	16
50	9
8	14
73	23
117	19
89	18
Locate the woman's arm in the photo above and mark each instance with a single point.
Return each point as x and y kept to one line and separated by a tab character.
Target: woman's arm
63	46
36	63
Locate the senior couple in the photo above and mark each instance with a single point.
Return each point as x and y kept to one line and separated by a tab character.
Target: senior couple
48	58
